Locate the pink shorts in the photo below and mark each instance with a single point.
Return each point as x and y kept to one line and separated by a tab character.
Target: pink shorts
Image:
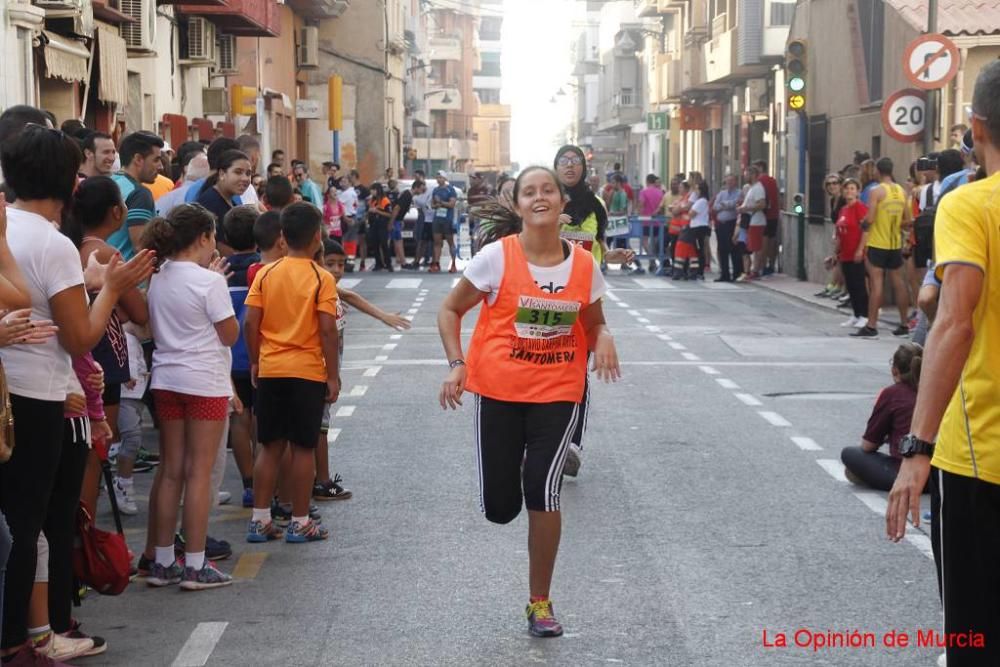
172	405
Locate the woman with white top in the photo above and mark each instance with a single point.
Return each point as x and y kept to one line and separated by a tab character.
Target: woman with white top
699	226
41	165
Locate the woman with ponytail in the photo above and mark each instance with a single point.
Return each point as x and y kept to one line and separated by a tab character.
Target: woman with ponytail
96	213
193	324
527	364
223	189
889	422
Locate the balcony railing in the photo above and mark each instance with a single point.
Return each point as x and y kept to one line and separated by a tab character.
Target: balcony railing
319	9
246	18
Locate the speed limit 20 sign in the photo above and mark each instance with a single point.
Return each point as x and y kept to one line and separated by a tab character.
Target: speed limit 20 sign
903	115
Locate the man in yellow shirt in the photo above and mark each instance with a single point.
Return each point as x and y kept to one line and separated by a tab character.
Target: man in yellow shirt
959	403
888	215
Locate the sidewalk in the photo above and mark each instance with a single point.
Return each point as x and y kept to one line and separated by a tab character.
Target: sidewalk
799	289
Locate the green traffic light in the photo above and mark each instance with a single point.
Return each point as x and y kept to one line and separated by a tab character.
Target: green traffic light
796	84
798	209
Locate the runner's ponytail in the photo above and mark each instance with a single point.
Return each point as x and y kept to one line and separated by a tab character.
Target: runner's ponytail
907	361
496	220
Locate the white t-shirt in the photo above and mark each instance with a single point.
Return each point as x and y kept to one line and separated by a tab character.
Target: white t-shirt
754	196
923	193
699	213
485	272
136	369
185	303
424	202
50	264
349	198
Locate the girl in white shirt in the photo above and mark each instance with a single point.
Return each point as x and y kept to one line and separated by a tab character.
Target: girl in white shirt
193	324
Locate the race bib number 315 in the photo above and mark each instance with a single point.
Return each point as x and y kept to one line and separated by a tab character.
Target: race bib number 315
540	318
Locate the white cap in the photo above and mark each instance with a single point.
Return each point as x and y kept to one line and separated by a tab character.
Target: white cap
442	173
166	146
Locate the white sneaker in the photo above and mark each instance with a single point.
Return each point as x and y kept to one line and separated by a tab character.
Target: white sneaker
225	497
572	466
850	322
59	648
860	322
126	505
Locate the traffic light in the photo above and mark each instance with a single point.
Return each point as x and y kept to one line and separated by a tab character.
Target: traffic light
242	100
795	73
798	206
335	102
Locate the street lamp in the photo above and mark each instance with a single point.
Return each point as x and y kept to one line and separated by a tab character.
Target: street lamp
444	100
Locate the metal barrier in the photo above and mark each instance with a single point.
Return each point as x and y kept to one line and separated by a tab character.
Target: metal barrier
632	227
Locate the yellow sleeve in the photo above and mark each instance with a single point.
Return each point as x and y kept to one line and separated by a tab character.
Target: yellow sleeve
960	233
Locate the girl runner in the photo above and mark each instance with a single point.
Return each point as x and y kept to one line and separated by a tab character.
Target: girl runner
583	222
541	311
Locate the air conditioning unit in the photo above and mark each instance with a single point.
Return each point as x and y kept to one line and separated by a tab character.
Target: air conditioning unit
200	43
214	101
67	5
309	48
225	55
140	35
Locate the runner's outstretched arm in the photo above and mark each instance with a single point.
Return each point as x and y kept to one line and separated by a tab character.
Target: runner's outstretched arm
355	300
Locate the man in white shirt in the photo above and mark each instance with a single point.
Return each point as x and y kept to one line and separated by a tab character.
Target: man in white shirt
754	203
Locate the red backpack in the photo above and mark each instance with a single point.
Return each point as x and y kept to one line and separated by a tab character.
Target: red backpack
101	559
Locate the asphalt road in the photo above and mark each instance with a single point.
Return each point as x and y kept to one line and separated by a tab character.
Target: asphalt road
710	509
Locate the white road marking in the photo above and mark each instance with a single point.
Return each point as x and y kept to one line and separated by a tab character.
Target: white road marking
623	304
199	646
652	328
634	313
726	383
807	444
358	390
642	320
874	501
345	410
834	467
653	283
748	399
395	336
372	371
349	283
708	370
332	435
774	418
411	311
612	296
404	283
408	317
690	356
921	542
677	346
664	336
381	357
389	346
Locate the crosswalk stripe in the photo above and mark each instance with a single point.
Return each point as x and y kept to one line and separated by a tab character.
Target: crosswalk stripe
653	283
404	283
349	283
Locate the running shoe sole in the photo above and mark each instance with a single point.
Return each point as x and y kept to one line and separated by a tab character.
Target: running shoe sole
199	586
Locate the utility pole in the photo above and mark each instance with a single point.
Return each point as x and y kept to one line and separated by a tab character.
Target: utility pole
933	96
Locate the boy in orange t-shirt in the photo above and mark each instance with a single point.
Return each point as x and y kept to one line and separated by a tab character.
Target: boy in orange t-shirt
292	339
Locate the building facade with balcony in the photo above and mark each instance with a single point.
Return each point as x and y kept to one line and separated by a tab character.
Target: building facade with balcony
491	126
365	46
448	140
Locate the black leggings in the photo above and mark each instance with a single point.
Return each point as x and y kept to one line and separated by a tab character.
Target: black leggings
60	523
378	242
857	287
875	469
521	445
27	482
701	235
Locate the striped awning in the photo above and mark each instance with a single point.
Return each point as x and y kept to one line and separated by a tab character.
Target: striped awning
65	58
112	69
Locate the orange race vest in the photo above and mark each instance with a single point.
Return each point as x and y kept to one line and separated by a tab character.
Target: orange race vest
530	346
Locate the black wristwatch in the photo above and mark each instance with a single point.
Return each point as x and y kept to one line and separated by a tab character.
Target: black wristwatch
911	445
456	363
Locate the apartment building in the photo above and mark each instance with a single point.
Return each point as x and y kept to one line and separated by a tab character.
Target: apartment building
491	126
